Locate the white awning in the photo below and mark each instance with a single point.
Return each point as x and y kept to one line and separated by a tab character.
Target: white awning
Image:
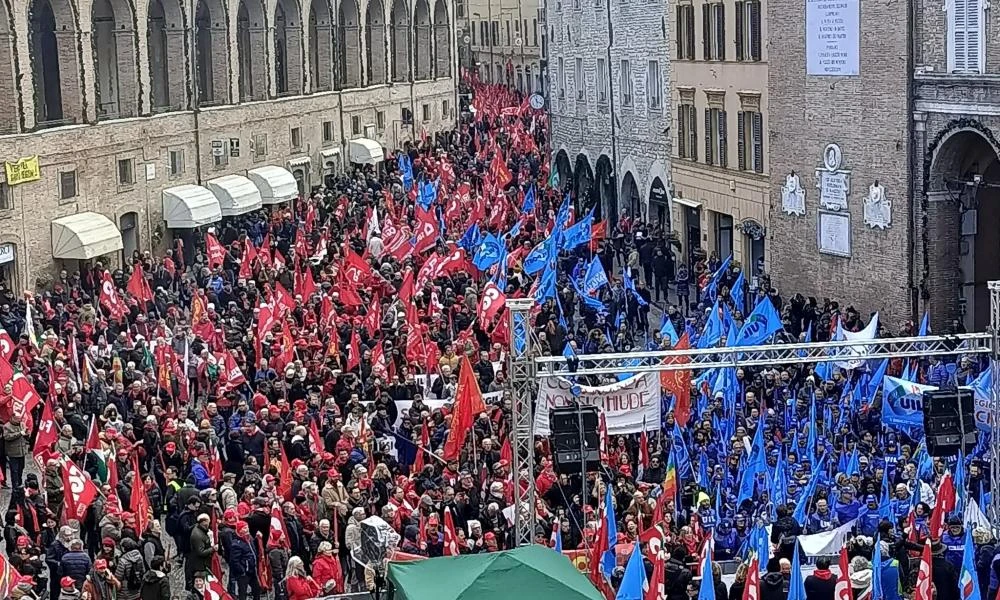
237	194
189	206
366	152
276	185
301	161
329	153
687	203
84	236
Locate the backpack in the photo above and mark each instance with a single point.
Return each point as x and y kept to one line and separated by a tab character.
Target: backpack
133	578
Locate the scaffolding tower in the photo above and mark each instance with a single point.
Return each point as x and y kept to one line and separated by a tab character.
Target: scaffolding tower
527	369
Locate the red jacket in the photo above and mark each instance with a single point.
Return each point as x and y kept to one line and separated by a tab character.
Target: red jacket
302	588
326	568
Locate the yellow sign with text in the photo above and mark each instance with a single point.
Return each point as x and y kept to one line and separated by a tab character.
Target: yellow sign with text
24	170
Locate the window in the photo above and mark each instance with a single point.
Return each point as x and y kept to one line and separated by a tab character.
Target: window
6	200
602	81
723	234
687	132
407	116
220	152
327	132
460	9
445	109
508	33
965	36
484	36
750	146
259	145
534	32
176	165
126	171
626	83
578	81
496	33
685	32
67	185
474	27
748	30
562	78
355	125
713	31
715	137
380	120
654	98
425	110
296	138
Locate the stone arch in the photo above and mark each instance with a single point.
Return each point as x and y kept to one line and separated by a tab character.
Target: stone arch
659	202
288	74
165	33
563	168
116	78
251	45
399	31
321	45
349	36
442	40
375	42
10	119
211	32
583	180
631	196
423	68
605	189
55	62
961	202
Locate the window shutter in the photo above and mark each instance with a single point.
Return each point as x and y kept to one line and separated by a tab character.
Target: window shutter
973	35
692	132
709	142
681	132
720	30
706	31
739	29
755	30
723	140
758	142
741	148
690	32
680	29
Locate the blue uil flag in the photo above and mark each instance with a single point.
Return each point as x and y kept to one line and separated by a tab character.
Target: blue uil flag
762	323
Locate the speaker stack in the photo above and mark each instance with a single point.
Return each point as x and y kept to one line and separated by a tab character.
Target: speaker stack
949	422
573	445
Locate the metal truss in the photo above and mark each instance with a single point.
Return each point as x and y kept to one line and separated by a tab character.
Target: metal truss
523	386
993	511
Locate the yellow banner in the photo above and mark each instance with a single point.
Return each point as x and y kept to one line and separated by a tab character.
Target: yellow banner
24	170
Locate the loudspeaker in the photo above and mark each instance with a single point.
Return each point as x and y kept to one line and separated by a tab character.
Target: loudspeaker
949	422
564	424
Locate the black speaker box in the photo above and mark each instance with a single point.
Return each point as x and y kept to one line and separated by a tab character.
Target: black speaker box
949	422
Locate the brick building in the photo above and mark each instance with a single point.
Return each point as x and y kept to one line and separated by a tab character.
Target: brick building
134	109
609	72
719	101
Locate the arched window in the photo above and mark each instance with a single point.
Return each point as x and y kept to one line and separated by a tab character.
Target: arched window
251	43
10	117
288	48
212	52
442	41
422	42
400	31
349	36
165	40
321	62
375	42
55	63
115	75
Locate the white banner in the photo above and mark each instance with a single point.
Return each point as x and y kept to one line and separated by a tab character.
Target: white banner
625	404
828	542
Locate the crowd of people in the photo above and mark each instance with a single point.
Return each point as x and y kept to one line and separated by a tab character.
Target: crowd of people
237	408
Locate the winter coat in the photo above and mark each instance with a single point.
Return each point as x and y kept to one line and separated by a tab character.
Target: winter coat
155	586
772	587
201	550
242	559
76	565
328	574
128	561
302	588
97	588
820	586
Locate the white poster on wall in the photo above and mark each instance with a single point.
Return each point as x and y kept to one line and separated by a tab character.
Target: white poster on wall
833	31
626	405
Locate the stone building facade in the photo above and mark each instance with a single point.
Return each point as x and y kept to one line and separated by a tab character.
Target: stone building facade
609	82
119	101
506	39
904	132
719	102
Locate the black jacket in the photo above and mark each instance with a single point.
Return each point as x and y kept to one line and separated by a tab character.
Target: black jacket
677	577
155	586
820	588
772	587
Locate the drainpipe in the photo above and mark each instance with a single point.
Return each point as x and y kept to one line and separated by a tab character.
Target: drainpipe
612	218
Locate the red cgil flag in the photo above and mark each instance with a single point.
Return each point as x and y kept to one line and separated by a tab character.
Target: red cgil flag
468	404
943	504
843	589
678	383
923	589
425	443
354	351
284	475
278	526
139	501
752	589
78	490
215	250
450	537
138	287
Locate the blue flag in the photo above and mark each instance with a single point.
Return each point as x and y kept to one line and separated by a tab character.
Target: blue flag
470	239
589	301
488	253
667	330
756	464
406	167
608	561
877	570
713	329
737	293
925	324
630	286
546	286
595	278
634	581
968	581
557	541
796	586
800	509
579	233
535	260
760	325
427	195
707	589
713	284
528	205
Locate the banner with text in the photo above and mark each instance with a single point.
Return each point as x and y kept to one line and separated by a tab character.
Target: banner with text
626	404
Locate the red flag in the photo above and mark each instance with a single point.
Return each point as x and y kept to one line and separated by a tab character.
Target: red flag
678	382
216	251
506	452
468	404
230	376
278	521
493	300
6	345
499	171
284	475
110	299
425	444
644	447
138	287
93	443
598	231
373	320
307	285
405	290
283	300
78	489
450	537
214	590
264	252
354	351
655	589
426	231
47	435
944	504
923	589
263	565
113	472
356	270
25	398
752	589
139	501
843	590
315	439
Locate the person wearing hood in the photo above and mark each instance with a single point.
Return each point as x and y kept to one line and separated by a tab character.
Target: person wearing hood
726	542
772	584
860	571
155	583
101	584
822	583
